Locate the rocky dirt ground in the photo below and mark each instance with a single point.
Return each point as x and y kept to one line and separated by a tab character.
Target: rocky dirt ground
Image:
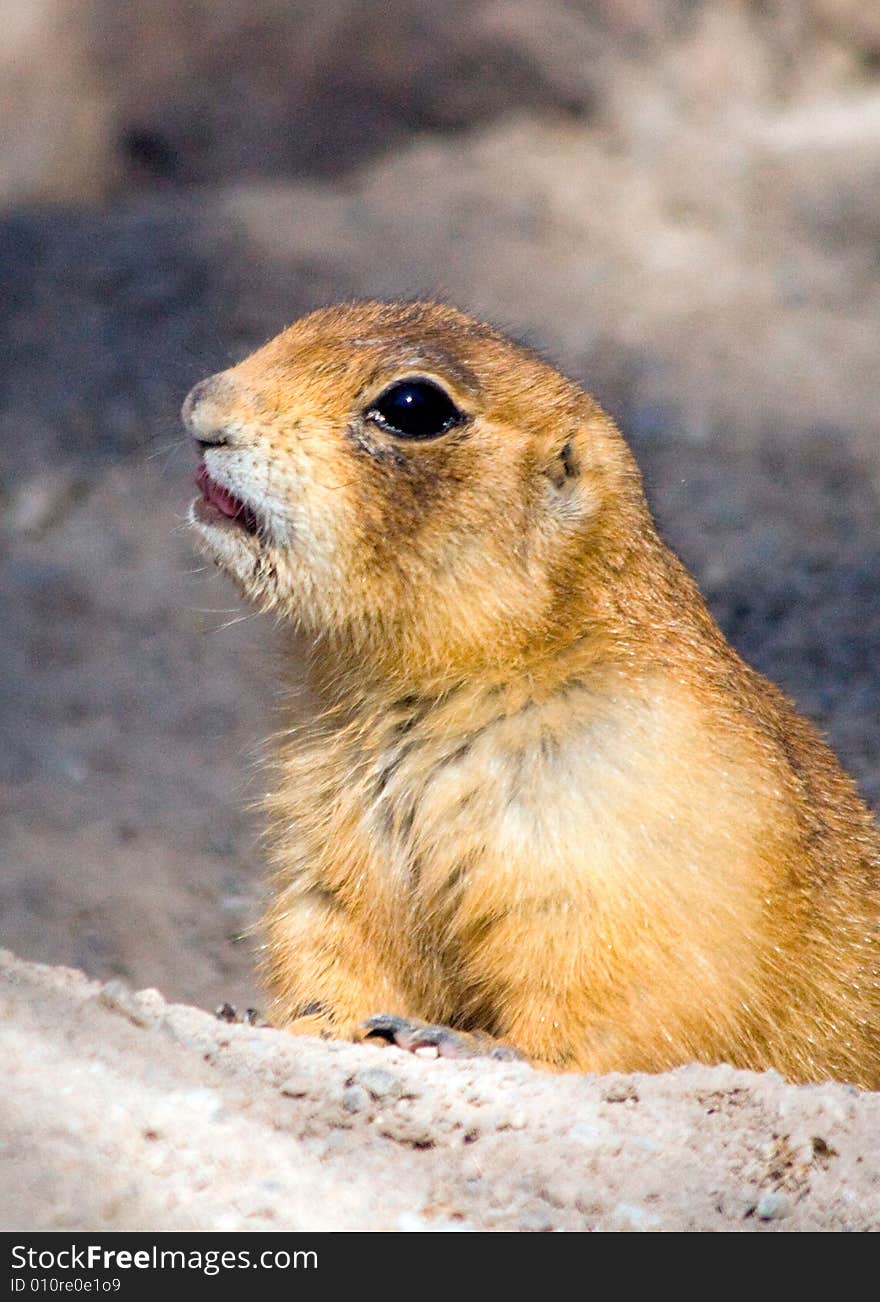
677	202
126	1112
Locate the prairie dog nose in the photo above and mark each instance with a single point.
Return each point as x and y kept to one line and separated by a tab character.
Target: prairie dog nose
204	413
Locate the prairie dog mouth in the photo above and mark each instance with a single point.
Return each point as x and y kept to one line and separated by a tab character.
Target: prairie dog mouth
218	506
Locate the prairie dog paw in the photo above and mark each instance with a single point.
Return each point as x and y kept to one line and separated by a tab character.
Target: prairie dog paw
427	1041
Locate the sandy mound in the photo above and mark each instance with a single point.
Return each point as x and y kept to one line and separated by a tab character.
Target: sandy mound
128	1113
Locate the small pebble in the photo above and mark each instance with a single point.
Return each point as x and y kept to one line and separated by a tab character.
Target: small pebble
632	1217
355	1099
622	1091
772	1206
116	996
379	1083
298	1085
536	1221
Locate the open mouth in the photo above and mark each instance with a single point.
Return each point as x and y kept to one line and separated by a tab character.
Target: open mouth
219	504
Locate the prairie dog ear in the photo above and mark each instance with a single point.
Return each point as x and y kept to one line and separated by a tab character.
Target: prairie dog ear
571	492
565	466
563	470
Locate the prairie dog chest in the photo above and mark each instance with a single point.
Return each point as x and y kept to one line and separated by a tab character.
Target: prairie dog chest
621	799
534	785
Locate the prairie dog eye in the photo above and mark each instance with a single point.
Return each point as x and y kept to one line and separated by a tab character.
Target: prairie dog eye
415	409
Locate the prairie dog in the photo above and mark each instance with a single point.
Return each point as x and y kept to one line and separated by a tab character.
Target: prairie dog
542	803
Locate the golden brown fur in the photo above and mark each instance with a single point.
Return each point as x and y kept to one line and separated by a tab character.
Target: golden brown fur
541	796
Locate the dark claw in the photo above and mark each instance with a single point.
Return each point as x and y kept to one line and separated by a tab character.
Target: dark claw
229	1013
385	1026
412	1035
506	1053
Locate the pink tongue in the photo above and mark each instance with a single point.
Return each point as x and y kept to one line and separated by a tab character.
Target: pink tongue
217	496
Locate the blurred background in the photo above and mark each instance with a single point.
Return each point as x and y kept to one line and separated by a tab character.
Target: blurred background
679	200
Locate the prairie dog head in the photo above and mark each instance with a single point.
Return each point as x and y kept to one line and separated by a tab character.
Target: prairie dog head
408	484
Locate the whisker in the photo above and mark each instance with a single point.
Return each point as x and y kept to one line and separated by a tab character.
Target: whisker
166	448
214	610
238	619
